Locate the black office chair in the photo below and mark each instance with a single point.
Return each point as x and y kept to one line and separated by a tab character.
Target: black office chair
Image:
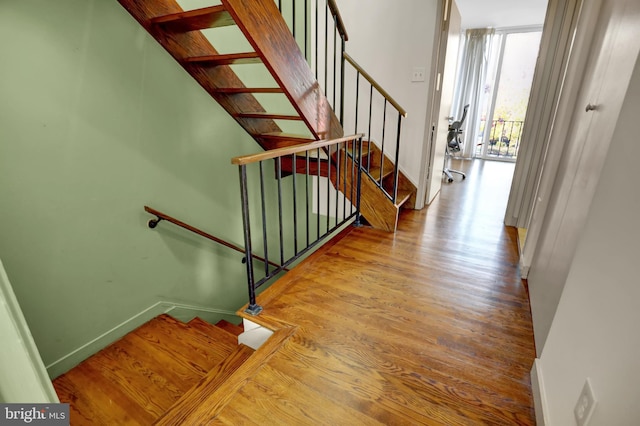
454	145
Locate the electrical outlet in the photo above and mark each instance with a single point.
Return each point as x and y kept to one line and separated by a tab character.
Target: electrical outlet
418	74
586	404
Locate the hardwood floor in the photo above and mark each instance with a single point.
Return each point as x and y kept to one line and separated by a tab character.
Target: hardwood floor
430	325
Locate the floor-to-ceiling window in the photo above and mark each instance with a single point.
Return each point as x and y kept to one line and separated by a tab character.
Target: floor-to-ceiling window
503	103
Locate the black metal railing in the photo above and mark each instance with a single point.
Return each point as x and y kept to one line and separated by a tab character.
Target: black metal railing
160	216
297	210
379	117
503	138
344	81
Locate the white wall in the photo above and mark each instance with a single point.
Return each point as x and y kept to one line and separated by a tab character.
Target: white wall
595	330
388	40
501	13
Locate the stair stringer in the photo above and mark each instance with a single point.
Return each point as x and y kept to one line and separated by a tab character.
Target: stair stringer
282	56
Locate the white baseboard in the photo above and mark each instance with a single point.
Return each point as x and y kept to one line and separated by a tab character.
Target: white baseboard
539	396
179	311
524	271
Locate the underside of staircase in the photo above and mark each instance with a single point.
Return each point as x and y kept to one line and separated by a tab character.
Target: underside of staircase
155	374
274	48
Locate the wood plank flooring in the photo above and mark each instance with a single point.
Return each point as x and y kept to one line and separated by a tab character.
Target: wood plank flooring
430	325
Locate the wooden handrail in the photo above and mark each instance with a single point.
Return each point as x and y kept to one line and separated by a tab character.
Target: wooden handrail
164	216
289	150
375	84
333	7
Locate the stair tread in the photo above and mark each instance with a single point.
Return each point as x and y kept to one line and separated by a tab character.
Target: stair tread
226	59
403	197
268	115
193	20
234	329
210	329
143	373
376	173
284	135
196	396
274	140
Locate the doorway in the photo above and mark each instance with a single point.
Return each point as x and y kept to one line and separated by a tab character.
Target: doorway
504	100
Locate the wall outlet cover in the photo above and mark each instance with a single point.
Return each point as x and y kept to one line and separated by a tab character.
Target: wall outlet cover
586	404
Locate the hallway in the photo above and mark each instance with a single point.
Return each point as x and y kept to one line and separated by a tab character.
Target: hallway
427	326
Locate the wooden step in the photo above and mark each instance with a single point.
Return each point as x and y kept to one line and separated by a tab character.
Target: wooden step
192	400
273	140
266	115
228	59
209	329
193	20
376	173
137	378
194	44
234	329
205	350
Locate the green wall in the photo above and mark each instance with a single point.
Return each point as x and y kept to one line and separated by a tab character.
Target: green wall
97	120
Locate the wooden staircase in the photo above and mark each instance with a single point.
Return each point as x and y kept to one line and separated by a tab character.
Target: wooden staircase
274	47
156	374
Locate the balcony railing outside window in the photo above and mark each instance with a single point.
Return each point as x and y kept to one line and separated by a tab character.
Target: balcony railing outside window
503	139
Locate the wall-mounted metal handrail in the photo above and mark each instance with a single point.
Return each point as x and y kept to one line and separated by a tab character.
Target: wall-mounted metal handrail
152	223
375	84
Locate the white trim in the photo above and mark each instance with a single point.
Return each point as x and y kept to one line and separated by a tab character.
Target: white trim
178	310
23	377
254	335
539	395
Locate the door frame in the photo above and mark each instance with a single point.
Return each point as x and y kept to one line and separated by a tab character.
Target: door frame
23	376
433	109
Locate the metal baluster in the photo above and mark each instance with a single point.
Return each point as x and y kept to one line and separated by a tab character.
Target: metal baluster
279	179
342	71
395	178
384	129
295	206
293	19
369	128
355	130
264	221
253	308
344	180
359	184
335	31
326	49
318	192
328	189
316	39
306	179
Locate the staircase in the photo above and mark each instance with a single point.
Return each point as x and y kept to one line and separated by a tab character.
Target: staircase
155	374
274	48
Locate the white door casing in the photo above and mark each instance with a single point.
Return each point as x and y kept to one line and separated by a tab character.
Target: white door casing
23	376
612	57
443	98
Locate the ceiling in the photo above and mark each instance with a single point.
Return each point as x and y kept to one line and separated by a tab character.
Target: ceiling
501	13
